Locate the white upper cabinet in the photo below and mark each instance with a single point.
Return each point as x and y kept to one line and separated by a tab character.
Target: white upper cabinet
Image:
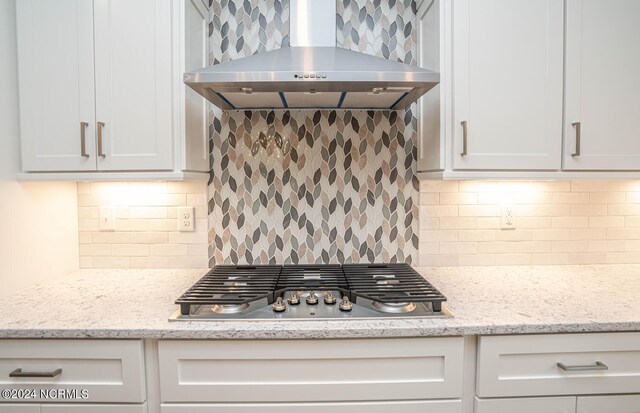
56	82
101	91
507	84
133	84
193	124
431	108
602	85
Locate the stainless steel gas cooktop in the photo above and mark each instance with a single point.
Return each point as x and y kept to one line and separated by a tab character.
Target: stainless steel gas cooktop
320	292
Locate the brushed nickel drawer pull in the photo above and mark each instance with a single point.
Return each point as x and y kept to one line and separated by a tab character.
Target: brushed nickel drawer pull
589	367
35	374
83	140
577	126
464	138
100	152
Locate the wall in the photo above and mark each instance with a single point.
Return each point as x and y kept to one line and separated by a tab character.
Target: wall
146	228
347	191
561	222
38	222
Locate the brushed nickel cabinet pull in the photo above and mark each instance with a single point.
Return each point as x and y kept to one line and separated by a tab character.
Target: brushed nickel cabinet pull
83	139
577	126
100	152
35	374
589	367
464	138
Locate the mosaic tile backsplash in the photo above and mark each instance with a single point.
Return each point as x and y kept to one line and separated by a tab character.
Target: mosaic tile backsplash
347	191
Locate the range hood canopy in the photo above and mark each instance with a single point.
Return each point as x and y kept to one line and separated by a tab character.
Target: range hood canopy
313	73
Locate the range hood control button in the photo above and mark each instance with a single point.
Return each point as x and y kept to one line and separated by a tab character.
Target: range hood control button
279	306
312	299
345	304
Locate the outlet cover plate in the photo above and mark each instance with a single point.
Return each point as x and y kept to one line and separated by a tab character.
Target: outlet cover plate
186	219
508	217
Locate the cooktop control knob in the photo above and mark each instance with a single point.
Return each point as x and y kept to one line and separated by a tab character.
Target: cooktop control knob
312	299
329	298
279	306
293	299
345	304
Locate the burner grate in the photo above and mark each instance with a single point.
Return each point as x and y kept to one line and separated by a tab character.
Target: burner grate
231	285
312	277
391	283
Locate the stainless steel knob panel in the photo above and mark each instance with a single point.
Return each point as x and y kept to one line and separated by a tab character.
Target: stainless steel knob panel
329	298
293	299
312	299
279	306
345	304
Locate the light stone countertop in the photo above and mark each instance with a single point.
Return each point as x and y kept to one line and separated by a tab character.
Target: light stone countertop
484	300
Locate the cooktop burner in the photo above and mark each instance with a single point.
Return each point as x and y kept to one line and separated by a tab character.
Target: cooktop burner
322	292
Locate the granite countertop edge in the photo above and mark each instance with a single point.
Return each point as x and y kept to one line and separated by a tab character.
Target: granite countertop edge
136	304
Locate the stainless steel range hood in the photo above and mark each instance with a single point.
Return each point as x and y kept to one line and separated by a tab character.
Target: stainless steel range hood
313	73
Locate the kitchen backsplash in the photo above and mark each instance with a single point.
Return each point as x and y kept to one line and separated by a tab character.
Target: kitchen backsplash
347	192
559	222
146	234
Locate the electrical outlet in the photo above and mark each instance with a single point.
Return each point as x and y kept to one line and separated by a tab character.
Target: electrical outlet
107	219
186	219
508	217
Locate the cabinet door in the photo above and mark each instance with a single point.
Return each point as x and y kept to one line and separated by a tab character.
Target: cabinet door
19	408
133	84
508	69
432	106
56	78
195	130
602	85
607	404
527	405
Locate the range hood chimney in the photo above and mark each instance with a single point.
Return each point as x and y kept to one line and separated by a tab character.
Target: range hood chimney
313	73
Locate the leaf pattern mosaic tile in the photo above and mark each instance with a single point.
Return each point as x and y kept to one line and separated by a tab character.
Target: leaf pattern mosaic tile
346	191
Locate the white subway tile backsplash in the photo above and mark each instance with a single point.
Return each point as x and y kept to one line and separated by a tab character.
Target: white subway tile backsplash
146	234
559	222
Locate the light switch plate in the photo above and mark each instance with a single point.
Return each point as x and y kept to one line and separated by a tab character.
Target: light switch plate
107	219
186	219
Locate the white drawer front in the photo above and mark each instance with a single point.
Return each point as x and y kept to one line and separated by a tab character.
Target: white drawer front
19	408
608	404
419	406
527	405
310	371
110	371
528	365
96	408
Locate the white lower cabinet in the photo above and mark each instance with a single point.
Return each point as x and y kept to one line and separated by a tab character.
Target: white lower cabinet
527	405
608	404
583	371
417	406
